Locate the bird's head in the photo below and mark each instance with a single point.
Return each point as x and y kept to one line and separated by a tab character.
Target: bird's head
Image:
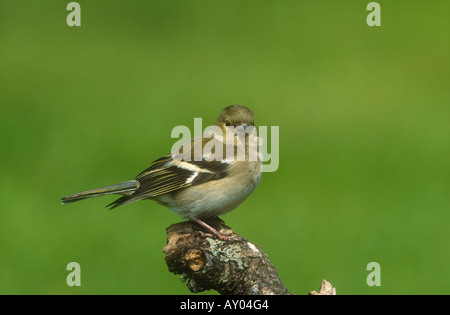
235	116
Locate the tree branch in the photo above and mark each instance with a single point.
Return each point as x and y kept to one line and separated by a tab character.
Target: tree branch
229	267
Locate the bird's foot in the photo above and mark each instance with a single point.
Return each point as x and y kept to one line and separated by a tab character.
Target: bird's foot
214	232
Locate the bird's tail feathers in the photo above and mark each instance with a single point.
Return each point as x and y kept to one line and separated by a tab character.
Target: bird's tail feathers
125	188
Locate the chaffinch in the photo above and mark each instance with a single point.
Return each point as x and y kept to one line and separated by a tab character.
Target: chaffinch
206	177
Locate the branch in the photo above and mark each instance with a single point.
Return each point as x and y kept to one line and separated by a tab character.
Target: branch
230	267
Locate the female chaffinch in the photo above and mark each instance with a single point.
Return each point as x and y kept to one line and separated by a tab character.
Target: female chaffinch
202	179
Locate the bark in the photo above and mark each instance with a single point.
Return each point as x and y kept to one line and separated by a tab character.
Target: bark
230	267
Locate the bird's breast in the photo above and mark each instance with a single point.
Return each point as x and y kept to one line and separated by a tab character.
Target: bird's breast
216	197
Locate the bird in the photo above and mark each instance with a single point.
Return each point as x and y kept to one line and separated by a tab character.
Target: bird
207	176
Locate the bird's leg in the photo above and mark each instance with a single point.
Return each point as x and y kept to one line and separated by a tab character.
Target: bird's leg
212	230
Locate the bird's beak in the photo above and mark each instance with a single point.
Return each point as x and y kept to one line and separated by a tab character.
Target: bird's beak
241	128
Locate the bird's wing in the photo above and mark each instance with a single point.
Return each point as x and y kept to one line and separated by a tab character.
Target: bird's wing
169	174
166	175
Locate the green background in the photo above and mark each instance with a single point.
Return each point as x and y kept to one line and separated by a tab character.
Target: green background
364	137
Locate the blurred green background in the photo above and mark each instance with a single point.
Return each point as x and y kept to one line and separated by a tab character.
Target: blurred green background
364	137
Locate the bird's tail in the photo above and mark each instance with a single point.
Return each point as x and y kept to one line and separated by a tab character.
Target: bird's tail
125	188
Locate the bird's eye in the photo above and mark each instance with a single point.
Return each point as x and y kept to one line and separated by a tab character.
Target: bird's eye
227	122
